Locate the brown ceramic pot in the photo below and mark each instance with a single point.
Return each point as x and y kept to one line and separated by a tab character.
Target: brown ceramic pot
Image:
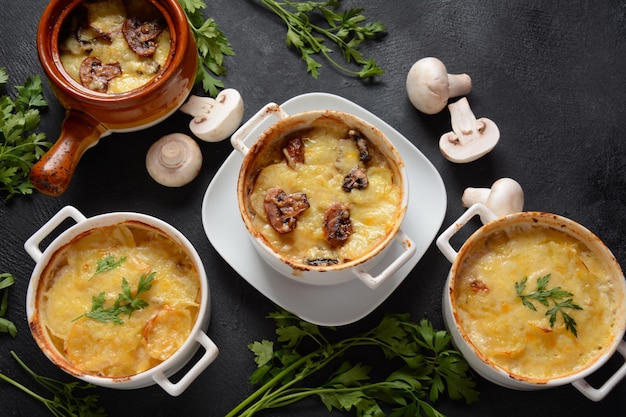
92	115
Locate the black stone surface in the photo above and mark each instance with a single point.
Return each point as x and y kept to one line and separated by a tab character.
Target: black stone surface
552	75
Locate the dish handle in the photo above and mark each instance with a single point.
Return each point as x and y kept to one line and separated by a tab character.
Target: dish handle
443	241
175	389
597	394
237	138
32	244
375	281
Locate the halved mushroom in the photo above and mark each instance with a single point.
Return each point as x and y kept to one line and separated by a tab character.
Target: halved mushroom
356	179
361	145
294	152
337	224
96	76
322	262
215	119
470	138
282	209
141	36
429	86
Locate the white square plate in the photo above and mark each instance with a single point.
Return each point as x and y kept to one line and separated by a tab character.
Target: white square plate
323	305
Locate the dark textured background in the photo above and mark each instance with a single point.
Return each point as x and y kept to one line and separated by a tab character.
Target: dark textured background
550	74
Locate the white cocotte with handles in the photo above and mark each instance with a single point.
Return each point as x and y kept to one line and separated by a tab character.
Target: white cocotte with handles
159	374
334	274
489	370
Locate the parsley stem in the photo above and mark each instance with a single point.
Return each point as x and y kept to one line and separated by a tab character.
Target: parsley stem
429	367
295	24
269	396
279	395
22	387
301	34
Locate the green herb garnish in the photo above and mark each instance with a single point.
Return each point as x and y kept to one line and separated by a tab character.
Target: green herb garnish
211	43
346	30
20	146
66	401
126	303
108	263
545	297
427	366
6	326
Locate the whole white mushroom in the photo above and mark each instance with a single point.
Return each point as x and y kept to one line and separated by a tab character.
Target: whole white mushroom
174	160
504	197
429	86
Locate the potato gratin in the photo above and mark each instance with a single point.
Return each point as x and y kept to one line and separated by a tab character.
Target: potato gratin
512	335
114	46
142	339
326	197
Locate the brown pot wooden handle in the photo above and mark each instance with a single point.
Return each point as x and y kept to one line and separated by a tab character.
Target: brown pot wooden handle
51	175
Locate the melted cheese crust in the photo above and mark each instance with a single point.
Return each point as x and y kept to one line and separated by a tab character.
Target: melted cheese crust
517	338
328	158
148	336
108	17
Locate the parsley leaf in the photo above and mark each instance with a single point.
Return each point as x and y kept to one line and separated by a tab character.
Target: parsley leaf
212	46
20	145
108	263
547	296
67	400
427	367
6	326
126	302
346	30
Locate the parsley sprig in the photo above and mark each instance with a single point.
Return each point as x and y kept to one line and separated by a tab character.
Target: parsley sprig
212	46
427	367
6	326
346	30
107	263
126	302
20	145
550	296
66	400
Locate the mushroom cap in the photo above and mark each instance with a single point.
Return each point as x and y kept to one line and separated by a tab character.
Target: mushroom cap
429	86
506	197
174	160
215	119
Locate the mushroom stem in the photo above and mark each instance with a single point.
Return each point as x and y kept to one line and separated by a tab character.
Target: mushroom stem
473	195
459	85
463	120
174	160
172	154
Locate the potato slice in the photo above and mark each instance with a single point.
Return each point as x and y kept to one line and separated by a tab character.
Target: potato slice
166	332
106	349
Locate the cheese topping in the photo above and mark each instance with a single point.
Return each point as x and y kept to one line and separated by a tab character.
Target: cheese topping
513	336
328	156
148	336
99	35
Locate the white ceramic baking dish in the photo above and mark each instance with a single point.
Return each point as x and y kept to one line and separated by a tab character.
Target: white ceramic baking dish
362	267
484	365
161	373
